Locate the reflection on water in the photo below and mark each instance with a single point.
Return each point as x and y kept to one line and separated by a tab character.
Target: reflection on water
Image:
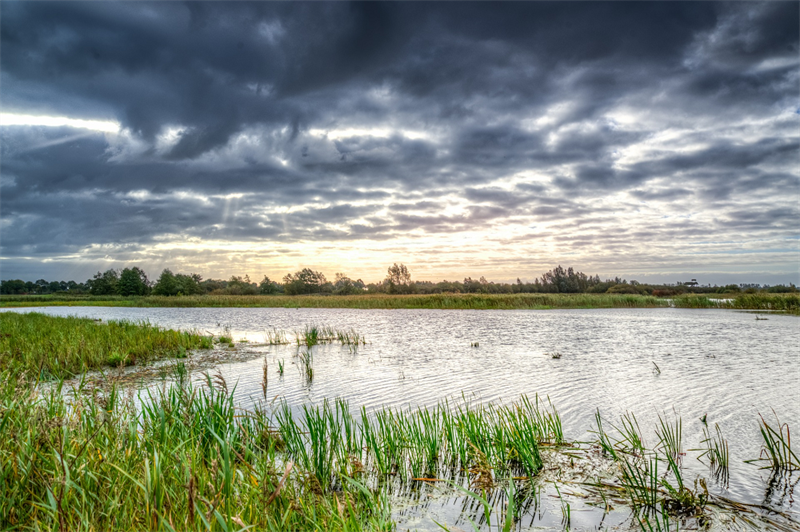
722	364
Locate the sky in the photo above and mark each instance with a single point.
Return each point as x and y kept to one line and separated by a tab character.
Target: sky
652	141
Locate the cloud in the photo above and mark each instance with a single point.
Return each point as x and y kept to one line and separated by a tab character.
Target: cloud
367	133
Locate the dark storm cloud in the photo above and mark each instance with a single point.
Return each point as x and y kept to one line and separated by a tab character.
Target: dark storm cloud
282	122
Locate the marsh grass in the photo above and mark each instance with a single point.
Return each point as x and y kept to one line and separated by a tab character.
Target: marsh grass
631	439
657	521
651	494
776	449
275	337
758	301
187	459
716	451
57	347
670	438
313	335
641	482
306	357
367	301
603	439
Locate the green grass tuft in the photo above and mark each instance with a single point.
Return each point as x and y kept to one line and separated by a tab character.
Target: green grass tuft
55	347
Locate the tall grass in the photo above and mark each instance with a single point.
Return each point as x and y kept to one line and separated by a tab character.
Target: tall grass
185	457
716	451
61	347
757	301
776	447
367	301
422	443
187	460
651	494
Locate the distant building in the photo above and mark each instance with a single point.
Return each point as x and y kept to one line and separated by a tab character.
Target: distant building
693	282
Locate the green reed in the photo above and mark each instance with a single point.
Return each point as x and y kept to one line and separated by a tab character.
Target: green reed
659	523
275	337
669	438
716	449
184	459
350	337
641	481
757	301
631	434
57	347
776	448
307	362
366	301
603	439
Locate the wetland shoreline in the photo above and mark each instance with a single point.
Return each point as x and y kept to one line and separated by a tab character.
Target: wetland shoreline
537	301
194	451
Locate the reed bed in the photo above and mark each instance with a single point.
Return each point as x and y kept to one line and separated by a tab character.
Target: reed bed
367	301
187	458
776	449
716	451
653	496
275	337
758	301
64	346
420	444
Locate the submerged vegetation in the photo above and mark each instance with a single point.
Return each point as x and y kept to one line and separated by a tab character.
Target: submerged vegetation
59	347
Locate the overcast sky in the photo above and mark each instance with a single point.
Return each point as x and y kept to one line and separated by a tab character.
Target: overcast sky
655	141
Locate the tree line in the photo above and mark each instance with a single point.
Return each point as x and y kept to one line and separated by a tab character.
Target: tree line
133	281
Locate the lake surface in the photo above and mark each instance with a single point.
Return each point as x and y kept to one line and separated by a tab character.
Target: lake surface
720	363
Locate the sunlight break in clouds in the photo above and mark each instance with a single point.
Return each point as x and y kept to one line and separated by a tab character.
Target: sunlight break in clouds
12	119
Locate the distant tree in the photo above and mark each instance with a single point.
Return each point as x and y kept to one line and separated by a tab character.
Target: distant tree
305	281
170	284
239	286
166	285
213	285
398	280
12	286
72	286
622	289
188	284
133	282
103	284
565	281
472	286
268	287
782	289
344	286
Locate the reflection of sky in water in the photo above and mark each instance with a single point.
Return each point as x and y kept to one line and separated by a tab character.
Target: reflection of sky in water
722	363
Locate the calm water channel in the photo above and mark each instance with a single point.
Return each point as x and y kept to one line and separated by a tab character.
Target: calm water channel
724	364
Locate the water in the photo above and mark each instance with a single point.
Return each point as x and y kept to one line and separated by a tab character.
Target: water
720	363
